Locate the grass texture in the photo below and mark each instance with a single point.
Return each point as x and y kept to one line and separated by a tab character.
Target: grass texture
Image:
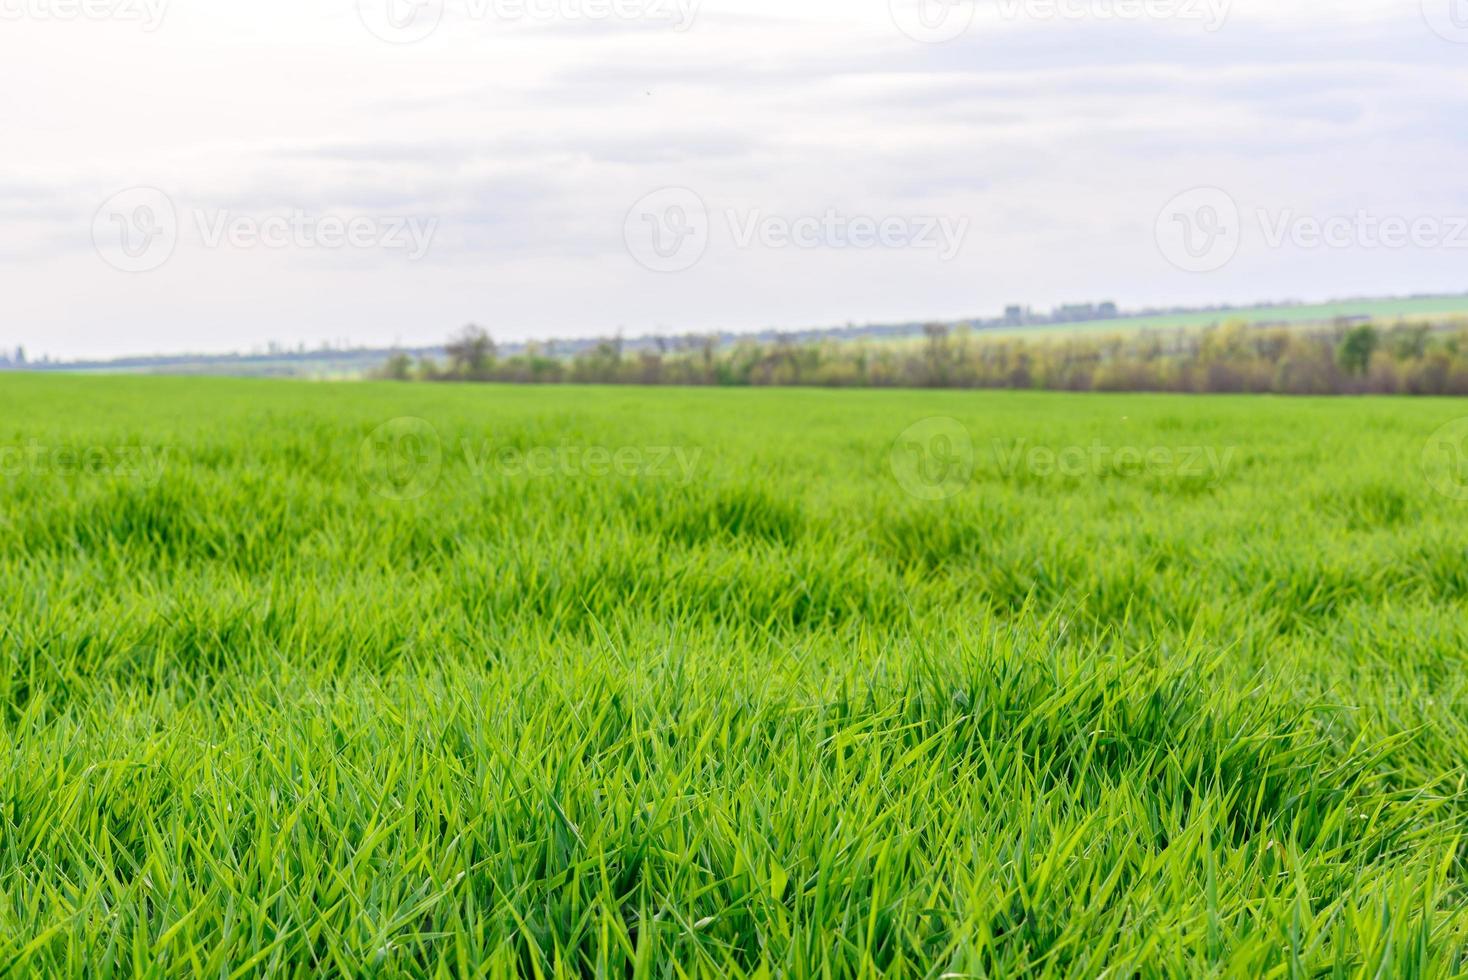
666	683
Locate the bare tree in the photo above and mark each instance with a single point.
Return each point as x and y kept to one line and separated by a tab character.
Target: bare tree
471	353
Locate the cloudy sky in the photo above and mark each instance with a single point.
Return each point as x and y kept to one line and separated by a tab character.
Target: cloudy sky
214	175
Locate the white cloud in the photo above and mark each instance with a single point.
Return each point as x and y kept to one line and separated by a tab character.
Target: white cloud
528	138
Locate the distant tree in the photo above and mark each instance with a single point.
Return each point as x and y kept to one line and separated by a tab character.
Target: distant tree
937	353
471	353
1356	348
1229	342
1409	342
707	345
399	367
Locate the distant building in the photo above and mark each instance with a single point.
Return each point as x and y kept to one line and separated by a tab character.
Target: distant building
1078	312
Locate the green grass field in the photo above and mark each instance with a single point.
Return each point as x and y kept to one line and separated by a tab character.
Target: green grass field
616	682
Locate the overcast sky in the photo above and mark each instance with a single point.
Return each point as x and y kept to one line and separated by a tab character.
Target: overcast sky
215	175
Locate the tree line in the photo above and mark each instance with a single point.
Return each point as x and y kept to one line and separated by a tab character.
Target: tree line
1234	357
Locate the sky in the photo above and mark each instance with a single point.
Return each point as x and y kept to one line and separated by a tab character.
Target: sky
208	175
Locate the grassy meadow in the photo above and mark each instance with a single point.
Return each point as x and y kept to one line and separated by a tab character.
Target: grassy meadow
459	680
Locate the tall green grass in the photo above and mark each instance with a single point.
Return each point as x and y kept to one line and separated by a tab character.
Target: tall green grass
295	703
